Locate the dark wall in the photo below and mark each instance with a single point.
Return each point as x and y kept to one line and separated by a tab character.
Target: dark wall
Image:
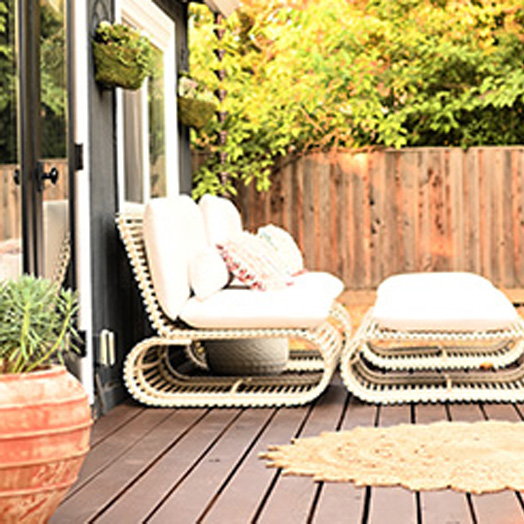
116	302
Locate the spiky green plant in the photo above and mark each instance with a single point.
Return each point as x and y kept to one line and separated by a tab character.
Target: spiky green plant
36	324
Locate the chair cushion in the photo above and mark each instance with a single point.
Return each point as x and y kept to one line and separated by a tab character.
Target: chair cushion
253	262
221	218
292	307
173	234
319	282
288	254
442	301
208	273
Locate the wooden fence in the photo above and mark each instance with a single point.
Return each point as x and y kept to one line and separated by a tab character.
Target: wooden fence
10	212
367	215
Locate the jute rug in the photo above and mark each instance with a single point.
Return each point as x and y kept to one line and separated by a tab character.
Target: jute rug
474	457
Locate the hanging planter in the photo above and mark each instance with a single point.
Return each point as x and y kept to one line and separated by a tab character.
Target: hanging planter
196	104
123	57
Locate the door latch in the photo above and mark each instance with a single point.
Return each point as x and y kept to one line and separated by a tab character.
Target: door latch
42	176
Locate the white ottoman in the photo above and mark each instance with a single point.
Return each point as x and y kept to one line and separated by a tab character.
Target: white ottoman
443	301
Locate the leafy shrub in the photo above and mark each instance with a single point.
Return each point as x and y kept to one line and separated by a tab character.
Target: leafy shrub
304	75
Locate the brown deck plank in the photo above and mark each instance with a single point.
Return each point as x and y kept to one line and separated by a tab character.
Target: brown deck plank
101	491
398	501
291	500
111	449
345	501
147	493
107	425
445	506
193	495
502	507
244	494
489	506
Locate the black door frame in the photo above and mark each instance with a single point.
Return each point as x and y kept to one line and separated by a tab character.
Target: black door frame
30	133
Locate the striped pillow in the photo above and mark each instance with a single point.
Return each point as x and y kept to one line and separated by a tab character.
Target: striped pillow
252	261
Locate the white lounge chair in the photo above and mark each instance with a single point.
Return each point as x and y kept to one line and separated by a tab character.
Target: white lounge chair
432	337
161	245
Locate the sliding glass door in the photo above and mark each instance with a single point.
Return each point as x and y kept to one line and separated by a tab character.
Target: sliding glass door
34	171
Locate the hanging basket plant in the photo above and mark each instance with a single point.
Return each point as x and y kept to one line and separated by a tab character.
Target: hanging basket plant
123	57
196	104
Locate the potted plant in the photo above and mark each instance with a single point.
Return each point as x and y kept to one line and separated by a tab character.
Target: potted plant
45	418
123	56
196	104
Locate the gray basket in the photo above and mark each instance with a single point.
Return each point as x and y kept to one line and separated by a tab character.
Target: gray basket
251	356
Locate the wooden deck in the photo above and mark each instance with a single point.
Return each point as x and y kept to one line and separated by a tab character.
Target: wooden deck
202	465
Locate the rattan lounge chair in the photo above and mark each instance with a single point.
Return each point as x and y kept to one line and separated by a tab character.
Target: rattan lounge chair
437	337
153	372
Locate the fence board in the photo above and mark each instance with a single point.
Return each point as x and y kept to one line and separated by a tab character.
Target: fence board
10	212
367	215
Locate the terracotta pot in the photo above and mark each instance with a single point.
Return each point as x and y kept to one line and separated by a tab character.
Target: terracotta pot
45	424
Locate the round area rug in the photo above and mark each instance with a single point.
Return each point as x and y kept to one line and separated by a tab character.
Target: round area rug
473	457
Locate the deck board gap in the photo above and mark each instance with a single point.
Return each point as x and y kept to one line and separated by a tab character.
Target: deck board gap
314	504
471	509
367	505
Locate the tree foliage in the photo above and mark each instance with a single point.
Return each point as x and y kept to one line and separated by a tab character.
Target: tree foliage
305	75
53	82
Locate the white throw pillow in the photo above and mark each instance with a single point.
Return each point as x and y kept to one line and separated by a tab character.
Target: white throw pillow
286	250
208	273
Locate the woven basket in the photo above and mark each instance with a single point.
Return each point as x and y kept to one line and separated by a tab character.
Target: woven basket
118	67
252	356
195	113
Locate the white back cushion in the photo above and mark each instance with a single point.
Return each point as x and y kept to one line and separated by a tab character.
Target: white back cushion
221	218
173	234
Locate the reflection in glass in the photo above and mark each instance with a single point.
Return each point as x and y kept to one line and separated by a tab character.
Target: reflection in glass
133	145
157	127
10	212
54	123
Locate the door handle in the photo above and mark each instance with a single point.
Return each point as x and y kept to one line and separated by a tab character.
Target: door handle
42	176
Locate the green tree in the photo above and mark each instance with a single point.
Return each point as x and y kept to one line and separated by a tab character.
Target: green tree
305	75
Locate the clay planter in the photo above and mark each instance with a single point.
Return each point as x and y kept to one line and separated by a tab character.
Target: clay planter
45	424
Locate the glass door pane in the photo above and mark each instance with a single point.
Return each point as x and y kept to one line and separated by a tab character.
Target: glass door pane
10	212
54	140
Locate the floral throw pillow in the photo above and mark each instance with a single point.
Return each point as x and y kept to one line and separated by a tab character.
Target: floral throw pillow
252	261
286	250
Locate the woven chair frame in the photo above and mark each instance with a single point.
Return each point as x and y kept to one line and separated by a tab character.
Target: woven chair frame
389	366
152	379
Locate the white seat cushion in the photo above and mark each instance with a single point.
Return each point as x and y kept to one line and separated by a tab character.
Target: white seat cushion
221	218
442	302
292	307
319	282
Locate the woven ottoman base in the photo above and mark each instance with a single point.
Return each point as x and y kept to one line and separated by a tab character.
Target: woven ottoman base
250	356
